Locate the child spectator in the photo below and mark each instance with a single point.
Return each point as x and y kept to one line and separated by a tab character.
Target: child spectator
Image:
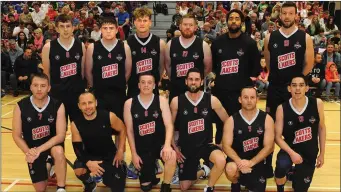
262	80
333	80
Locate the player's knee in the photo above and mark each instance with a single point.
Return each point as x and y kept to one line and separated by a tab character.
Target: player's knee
57	153
231	169
147	187
79	171
40	187
283	164
185	185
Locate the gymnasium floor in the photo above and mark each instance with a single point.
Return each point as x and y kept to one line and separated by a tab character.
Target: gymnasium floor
15	177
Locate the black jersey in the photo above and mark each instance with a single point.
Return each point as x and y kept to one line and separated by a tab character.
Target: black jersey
66	66
300	129
149	129
145	57
38	125
235	60
195	123
248	136
96	136
109	67
287	55
183	59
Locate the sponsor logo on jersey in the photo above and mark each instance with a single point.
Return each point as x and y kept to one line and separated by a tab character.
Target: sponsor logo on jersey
68	70
250	144
133	52
196	126
99	57
182	69
302	135
174	54
40	132
195	56
144	65
240	52
240	132
50	119
307	180
185	112
290	123
77	56
275	45
29	119
297	45
286	60
204	112
229	66
220	51
261	179
136	115
260	130
153	52
109	71
119	57
57	57
147	128
155	114
312	120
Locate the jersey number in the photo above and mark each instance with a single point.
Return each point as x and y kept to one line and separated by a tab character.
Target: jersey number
40	116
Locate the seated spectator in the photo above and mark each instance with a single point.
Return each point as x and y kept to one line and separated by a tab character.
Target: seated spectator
208	9
262	13
14	51
81	32
235	5
20	28
22	40
221	24
176	15
38	15
207	34
12	22
195	8
6	69
320	40
210	17
96	33
123	20
253	30
317	76
314	27
333	80
254	19
275	12
330	56
75	21
38	39
260	42
271	28
267	21
89	22
51	33
25	16
307	21
24	66
221	8
336	38
107	11
45	23
5	31
183	9
301	27
51	13
262	80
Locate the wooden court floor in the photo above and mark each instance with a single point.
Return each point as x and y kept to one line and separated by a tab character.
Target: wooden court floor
15	177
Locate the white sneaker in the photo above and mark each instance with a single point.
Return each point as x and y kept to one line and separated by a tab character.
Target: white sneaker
175	179
206	170
61	190
159	169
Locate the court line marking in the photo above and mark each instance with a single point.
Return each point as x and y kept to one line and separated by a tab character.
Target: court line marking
68	137
11	185
198	184
7	113
13	101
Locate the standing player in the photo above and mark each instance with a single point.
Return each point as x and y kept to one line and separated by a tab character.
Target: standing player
63	61
39	128
288	52
193	111
108	67
235	60
150	131
300	121
248	139
147	51
186	52
96	152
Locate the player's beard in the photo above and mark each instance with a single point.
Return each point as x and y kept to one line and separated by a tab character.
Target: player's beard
288	26
186	35
236	30
193	89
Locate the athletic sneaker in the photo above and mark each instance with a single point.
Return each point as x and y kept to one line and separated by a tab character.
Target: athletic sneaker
132	173
175	179
3	93
207	171
208	189
61	190
91	187
158	169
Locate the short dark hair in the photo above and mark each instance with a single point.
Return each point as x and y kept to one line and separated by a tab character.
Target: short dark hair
39	75
194	70
241	15
300	76
336	32
247	87
310	13
290	4
63	18
87	92
108	20
147	73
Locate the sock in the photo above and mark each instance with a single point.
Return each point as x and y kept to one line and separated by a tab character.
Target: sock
58	187
235	187
280	188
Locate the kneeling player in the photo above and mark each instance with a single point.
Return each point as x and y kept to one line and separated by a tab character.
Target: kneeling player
248	139
301	122
39	128
96	152
193	111
149	126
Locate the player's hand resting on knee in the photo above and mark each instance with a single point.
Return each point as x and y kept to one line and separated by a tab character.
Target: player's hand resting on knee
136	161
296	158
118	158
167	153
320	161
95	168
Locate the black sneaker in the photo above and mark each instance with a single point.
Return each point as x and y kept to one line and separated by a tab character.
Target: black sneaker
165	188
90	187
15	93
208	189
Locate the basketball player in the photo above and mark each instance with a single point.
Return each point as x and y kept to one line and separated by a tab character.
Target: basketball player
150	131
193	111
108	68
235	60
39	128
63	62
248	139
147	51
96	152
288	52
300	120
186	52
